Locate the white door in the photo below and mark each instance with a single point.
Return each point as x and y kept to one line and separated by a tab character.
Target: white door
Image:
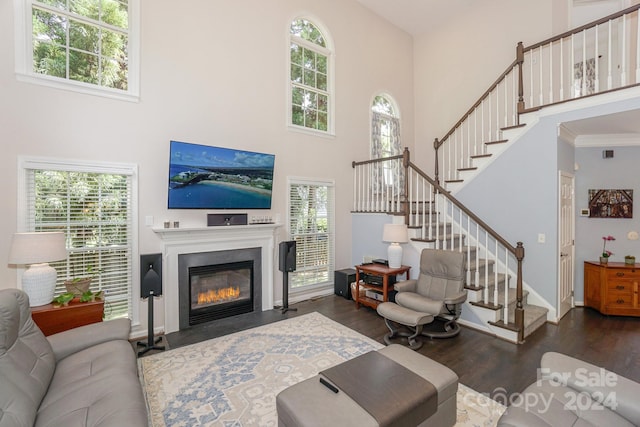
566	242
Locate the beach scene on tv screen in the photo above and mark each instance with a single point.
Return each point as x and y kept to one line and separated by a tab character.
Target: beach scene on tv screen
204	177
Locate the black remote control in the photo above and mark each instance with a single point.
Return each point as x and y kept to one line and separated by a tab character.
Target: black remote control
328	385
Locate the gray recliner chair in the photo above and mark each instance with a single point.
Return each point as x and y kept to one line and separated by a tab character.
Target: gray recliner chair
436	295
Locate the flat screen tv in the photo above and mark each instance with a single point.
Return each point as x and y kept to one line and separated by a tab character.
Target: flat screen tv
205	177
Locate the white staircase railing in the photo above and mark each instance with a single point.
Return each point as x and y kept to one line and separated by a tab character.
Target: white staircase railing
598	57
395	185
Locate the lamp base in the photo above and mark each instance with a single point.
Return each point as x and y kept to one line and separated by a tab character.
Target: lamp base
394	254
39	283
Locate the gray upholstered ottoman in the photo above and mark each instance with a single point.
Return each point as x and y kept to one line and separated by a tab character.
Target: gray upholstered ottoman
393	312
310	403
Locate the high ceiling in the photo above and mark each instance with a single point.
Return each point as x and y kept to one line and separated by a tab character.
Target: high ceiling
416	16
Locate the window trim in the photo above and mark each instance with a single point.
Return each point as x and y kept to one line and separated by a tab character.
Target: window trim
24	57
396	110
327	50
292	180
26	163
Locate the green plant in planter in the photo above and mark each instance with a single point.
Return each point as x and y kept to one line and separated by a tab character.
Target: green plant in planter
63	299
91	296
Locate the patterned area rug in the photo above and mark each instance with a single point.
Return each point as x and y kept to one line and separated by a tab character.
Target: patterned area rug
233	380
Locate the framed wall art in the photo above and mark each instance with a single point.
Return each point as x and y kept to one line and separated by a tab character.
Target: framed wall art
610	203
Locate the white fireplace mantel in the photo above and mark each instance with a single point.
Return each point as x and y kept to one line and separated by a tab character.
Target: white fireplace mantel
178	241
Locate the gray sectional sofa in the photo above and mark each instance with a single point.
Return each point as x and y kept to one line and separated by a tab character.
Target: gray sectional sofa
82	377
571	392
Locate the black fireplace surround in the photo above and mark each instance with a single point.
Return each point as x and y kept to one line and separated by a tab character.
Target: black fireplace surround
233	264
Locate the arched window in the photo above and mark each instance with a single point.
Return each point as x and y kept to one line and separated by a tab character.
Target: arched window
385	128
311	96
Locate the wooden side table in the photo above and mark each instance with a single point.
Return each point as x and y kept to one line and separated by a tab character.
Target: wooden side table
377	270
52	320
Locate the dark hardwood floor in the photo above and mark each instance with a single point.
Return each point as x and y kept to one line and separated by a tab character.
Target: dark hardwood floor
484	363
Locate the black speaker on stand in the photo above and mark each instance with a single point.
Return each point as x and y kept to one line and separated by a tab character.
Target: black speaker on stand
287	263
150	286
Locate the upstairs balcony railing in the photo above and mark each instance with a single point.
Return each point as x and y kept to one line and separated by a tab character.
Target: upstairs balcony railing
394	185
598	57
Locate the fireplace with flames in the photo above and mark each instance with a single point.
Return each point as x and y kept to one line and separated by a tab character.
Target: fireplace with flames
216	285
220	290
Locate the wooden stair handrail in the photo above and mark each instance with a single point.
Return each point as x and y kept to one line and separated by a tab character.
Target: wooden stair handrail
440	141
463	208
517	251
378	160
584	27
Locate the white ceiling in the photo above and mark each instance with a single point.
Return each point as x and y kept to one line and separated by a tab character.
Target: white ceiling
627	122
416	16
419	16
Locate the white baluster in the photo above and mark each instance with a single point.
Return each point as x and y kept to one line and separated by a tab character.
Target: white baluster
584	64
460	230
573	68
495	275
531	79
597	60
540	79
623	75
562	69
506	286
637	47
550	72
486	267
609	61
476	280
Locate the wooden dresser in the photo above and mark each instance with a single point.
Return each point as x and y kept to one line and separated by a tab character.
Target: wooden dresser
52	320
612	288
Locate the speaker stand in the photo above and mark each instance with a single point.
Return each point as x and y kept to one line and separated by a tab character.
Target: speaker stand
285	293
151	340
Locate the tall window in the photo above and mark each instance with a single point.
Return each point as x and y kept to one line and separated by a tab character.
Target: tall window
88	45
311	79
385	128
311	225
385	142
93	205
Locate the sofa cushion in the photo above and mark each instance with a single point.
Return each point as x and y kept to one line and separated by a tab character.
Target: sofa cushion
98	386
27	362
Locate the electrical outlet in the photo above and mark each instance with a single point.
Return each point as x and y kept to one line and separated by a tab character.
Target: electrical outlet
542	238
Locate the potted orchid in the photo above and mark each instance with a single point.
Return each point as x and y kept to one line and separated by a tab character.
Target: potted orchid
604	258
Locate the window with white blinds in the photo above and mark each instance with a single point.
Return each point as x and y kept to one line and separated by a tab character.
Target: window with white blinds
94	207
311	225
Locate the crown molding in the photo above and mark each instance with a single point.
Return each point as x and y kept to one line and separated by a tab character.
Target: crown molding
608	140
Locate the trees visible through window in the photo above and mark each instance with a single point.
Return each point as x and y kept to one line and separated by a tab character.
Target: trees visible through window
310	77
311	225
94	210
385	128
80	41
385	142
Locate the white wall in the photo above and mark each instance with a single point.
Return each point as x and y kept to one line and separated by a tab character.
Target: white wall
457	62
213	72
528	173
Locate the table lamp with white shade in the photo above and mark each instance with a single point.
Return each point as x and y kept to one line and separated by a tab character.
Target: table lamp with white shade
395	234
36	250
